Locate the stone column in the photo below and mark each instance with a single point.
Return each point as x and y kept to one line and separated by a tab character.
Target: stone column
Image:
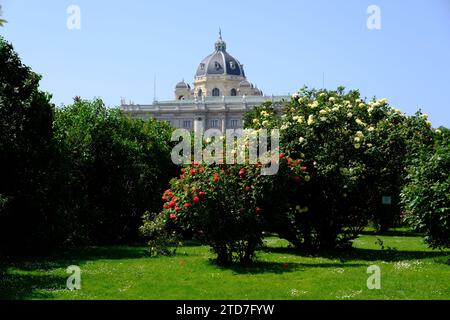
224	123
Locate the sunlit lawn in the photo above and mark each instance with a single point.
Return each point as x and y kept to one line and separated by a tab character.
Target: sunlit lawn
409	271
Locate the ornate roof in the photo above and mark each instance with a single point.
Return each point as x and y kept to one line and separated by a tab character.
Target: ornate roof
220	62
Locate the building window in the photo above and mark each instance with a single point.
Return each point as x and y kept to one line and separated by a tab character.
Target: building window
217	66
233	92
202	66
232	65
187	124
216	92
200	92
214	123
181	98
234	123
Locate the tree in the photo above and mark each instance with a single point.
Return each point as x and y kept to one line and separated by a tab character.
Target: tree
26	116
2	21
115	169
356	152
426	196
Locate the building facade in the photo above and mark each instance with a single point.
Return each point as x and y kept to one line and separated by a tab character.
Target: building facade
219	98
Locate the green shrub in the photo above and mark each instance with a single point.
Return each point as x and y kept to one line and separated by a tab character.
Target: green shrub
115	169
230	206
426	196
26	116
355	151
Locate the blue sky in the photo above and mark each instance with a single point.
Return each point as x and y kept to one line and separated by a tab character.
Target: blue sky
123	45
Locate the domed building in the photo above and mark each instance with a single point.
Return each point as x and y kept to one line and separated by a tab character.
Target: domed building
219	97
219	74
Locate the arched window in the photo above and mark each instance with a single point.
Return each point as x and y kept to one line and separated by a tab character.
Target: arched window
233	92
216	92
200	93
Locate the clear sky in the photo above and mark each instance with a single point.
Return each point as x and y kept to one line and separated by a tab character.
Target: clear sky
284	44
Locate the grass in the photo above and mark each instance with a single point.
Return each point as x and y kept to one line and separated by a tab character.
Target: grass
409	271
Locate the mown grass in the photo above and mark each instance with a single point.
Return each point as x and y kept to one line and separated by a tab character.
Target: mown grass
409	271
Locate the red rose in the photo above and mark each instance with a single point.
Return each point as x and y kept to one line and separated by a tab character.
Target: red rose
248	188
172	216
177	209
216	178
171	204
259	210
304	169
297	179
164	198
187	205
242	173
183	170
196	199
201	194
281	155
192	172
166	206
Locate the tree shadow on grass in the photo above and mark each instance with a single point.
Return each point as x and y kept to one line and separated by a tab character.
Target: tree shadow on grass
358	254
15	286
63	259
261	267
16	282
393	233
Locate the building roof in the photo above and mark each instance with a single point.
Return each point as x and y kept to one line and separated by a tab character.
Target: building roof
182	85
220	62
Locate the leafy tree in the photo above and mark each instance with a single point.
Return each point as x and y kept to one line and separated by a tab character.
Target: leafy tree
26	116
116	169
2	21
356	152
426	196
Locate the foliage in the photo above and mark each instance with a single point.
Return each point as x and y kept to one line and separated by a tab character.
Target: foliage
83	174
115	168
26	116
426	196
162	239
2	21
355	150
229	206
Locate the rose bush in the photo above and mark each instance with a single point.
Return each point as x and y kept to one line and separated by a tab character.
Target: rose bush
229	206
355	151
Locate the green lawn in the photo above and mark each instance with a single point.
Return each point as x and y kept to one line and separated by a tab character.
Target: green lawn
409	271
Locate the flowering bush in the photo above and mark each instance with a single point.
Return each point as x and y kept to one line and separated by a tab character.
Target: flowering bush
426	196
355	154
229	206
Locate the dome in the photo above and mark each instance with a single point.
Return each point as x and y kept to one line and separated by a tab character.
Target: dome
220	62
182	85
245	84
